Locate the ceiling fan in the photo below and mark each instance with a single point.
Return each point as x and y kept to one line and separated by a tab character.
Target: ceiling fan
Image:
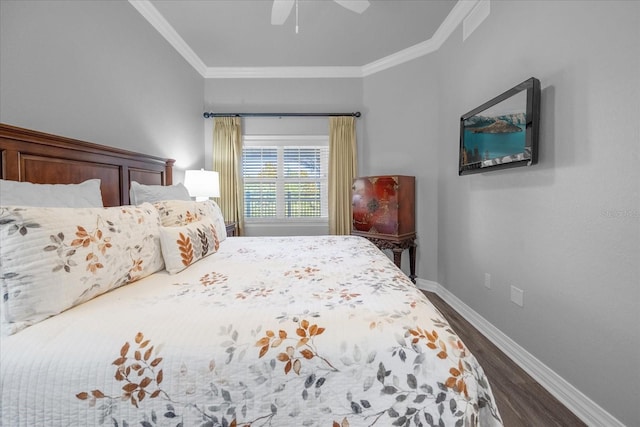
282	8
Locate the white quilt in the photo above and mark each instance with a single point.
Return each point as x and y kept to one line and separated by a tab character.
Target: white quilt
287	331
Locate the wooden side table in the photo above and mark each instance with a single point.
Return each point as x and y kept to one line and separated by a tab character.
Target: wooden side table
231	228
384	212
397	246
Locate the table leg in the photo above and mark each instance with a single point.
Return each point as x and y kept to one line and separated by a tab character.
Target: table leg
412	262
397	257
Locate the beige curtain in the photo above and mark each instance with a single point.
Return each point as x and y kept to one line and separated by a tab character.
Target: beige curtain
343	165
227	160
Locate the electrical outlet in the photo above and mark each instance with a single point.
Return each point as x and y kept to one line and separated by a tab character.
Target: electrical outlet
487	280
517	296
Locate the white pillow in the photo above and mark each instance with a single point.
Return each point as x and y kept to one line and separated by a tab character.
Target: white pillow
140	193
84	195
52	259
183	246
174	213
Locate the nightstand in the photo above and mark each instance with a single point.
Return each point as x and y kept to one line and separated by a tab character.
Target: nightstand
231	228
384	213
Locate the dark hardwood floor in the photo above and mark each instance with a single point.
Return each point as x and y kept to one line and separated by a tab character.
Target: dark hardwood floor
520	399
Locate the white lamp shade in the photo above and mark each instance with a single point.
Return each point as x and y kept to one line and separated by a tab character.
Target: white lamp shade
202	184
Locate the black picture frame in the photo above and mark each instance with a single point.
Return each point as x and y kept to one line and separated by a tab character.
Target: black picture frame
503	132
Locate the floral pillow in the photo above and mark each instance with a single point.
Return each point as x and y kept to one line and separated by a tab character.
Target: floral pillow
175	213
52	259
183	246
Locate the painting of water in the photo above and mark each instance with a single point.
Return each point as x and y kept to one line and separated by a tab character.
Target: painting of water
503	132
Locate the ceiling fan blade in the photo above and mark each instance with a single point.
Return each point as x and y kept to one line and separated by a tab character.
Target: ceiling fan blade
280	11
357	6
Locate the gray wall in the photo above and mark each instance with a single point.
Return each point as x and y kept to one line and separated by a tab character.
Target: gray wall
97	71
281	96
566	231
402	115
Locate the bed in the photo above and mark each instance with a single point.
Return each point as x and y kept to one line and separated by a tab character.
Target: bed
268	331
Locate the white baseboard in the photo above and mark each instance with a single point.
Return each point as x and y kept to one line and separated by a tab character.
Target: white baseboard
576	401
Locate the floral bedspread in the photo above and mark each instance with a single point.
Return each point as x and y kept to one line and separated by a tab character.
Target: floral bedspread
282	331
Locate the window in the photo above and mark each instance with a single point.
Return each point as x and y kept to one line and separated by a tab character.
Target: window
285	178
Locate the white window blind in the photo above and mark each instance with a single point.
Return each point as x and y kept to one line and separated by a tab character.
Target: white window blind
285	178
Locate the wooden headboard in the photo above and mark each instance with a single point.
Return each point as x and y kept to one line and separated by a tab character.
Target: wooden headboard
42	158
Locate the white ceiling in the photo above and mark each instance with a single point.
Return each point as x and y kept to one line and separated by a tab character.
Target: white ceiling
215	35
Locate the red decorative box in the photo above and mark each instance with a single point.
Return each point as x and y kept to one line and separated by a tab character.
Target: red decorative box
384	206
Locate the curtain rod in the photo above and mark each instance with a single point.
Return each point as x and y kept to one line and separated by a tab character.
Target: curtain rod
208	115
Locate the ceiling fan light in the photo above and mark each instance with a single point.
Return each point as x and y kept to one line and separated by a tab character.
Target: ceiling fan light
281	9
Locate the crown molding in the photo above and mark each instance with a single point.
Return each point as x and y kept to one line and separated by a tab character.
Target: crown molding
400	57
475	17
448	26
461	9
282	72
155	18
